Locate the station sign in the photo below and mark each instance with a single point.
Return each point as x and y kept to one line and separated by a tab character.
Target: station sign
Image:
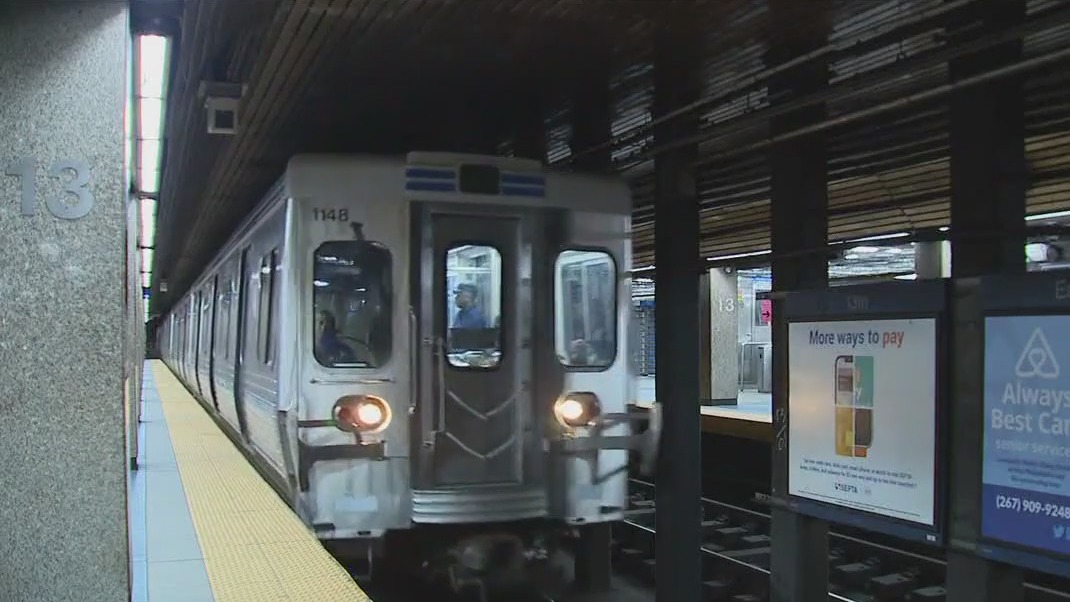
864	412
1025	481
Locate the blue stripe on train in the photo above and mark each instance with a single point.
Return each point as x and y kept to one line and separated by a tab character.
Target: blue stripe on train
529	191
426	186
523	179
430	173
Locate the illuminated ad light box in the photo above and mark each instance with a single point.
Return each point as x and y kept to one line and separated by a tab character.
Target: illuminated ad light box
1025	492
865	406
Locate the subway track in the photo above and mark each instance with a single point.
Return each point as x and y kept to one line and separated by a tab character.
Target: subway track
736	555
393	586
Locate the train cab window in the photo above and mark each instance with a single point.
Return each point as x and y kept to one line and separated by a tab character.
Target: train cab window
473	306
353	304
585	316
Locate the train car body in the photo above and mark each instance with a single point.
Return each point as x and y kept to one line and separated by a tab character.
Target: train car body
429	342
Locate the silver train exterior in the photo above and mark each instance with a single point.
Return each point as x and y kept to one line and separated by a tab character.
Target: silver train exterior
327	336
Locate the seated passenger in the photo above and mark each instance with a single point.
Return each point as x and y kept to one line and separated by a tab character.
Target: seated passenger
330	349
468	315
579	353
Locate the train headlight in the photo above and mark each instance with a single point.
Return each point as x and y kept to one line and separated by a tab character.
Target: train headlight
362	414
577	409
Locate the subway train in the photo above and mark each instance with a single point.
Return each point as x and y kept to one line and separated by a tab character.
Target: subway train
429	349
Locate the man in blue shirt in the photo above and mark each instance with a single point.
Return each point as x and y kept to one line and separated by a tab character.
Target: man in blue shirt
468	314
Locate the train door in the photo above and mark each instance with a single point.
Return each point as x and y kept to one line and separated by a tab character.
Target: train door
203	340
475	307
211	332
245	271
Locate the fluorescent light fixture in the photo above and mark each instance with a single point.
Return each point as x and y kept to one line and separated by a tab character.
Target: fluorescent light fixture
146	279
148	181
150	154
907	277
150	118
1053	215
152	83
878	237
865	249
738	255
146	259
852	256
643	269
148	223
152	62
946	228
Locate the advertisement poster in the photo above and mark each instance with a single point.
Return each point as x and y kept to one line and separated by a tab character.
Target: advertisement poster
1026	491
862	422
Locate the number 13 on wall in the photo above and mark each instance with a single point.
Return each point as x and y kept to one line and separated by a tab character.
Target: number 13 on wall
59	204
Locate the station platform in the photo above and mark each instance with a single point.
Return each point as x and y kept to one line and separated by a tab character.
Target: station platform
752	406
204	526
751	417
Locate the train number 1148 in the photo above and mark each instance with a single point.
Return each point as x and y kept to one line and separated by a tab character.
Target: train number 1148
330	215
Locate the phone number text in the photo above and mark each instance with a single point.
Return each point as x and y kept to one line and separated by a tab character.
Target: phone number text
1017	504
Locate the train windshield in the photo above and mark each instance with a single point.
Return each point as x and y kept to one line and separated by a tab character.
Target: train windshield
585	315
473	306
353	304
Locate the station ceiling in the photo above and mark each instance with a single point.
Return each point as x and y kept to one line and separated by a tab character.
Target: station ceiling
473	75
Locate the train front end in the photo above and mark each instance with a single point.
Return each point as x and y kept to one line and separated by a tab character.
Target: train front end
509	372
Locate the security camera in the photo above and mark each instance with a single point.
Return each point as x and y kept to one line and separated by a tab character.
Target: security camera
221	103
222	115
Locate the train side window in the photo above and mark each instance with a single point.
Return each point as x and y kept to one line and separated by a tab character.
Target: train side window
263	317
585	303
473	306
353	304
225	301
272	284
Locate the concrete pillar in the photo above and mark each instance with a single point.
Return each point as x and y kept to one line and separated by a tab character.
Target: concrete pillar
724	337
134	343
932	259
63	91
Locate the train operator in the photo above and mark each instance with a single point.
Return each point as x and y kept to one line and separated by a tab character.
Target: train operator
468	313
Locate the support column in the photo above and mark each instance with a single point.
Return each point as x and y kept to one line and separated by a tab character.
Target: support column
679	492
799	182
705	327
988	163
932	259
63	93
724	337
529	137
988	185
592	120
590	126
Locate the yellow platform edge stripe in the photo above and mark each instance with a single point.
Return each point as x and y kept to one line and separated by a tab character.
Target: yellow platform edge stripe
255	548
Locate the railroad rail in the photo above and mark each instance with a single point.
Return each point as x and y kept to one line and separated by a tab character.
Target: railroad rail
736	555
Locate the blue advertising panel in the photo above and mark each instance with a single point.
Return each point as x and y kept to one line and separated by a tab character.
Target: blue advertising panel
1026	477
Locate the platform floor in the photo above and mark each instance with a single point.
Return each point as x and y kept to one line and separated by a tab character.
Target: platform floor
752	405
204	526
